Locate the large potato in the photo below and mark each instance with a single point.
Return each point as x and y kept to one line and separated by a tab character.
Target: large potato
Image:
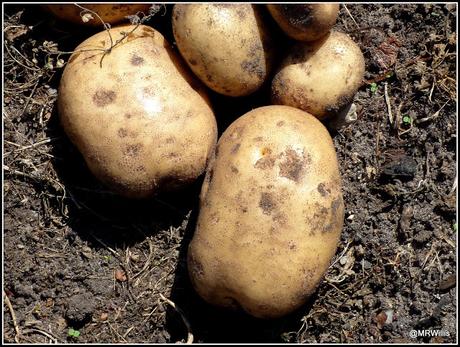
226	45
271	213
109	13
305	22
140	120
320	77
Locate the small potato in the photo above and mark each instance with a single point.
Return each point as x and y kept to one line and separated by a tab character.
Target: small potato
139	118
271	213
227	46
109	13
305	22
320	77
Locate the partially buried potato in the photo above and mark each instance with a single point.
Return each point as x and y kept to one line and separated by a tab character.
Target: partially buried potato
227	46
271	213
141	121
305	22
109	13
320	77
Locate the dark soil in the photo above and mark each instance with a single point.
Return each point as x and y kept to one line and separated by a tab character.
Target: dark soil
77	256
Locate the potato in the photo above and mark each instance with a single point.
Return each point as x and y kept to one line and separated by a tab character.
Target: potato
140	120
305	22
321	77
227	46
109	13
271	213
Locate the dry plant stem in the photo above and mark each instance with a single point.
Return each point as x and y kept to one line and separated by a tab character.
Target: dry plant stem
349	13
387	101
44	333
13	316
434	115
187	324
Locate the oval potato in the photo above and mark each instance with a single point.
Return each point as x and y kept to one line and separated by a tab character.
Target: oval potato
109	13
320	77
305	22
139	118
271	213
226	45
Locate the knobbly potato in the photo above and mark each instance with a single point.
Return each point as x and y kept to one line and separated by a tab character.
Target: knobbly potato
271	213
141	121
320	77
305	22
109	13
227	46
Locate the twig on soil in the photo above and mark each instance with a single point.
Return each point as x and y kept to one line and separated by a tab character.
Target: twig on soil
13	316
116	332
349	13
22	148
387	101
146	264
433	116
48	335
454	185
181	313
29	98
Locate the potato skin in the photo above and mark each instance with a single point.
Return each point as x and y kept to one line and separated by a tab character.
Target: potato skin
227	46
109	13
305	22
271	213
141	121
320	77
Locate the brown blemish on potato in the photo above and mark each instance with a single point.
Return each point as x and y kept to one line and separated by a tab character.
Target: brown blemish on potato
193	62
265	163
132	150
293	166
292	245
149	91
241	11
323	190
280	123
136	60
209	78
336	203
235	148
266	203
280	218
254	67
170	140
172	155
128	115
140	168
104	97
234	169
122	132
